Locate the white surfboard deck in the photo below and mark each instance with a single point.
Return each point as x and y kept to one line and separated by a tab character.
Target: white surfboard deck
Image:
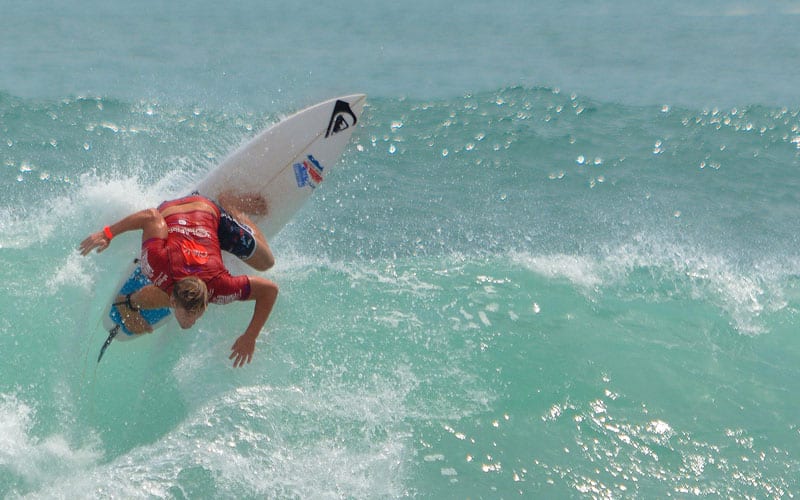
284	163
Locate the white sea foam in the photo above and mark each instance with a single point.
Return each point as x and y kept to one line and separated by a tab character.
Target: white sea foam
74	271
262	441
98	200
34	459
578	270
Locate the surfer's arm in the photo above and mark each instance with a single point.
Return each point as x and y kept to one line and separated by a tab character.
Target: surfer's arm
264	292
149	221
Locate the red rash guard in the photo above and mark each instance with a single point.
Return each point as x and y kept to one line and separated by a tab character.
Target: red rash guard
192	249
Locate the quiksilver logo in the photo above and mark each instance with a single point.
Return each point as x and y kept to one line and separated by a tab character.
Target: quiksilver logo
341	119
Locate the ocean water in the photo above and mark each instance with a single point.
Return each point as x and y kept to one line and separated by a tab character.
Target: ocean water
558	260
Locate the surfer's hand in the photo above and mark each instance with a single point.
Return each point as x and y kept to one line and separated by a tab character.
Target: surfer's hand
96	240
243	350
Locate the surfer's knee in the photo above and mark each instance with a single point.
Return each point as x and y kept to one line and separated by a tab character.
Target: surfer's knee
262	256
261	260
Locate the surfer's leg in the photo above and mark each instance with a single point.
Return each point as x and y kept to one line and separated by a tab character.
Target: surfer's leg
131	317
239	235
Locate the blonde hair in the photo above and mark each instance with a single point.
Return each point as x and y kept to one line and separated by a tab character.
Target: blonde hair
191	294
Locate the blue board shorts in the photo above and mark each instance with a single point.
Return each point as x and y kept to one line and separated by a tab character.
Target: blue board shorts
235	237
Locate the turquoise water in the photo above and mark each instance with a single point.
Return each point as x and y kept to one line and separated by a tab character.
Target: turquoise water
558	260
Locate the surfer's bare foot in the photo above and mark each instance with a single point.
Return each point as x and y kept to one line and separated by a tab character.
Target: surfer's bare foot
249	203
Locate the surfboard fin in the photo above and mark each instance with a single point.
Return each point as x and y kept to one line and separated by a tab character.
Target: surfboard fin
111	334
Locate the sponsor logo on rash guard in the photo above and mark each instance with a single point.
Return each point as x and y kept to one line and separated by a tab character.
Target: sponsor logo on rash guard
227	299
199	232
147	270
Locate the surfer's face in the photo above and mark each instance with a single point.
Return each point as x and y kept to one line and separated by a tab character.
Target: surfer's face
186	318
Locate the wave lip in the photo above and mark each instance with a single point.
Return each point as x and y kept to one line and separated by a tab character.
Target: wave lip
745	295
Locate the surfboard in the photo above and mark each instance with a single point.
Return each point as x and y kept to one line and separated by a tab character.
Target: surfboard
284	163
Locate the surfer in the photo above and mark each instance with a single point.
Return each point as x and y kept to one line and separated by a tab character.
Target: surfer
182	242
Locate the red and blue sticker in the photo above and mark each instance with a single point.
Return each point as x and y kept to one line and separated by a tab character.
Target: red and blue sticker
308	172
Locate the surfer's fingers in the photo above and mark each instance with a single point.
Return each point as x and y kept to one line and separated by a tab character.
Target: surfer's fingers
95	240
99	245
235	356
86	246
87	250
241	360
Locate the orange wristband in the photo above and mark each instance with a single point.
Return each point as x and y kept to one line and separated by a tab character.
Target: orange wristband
107	232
